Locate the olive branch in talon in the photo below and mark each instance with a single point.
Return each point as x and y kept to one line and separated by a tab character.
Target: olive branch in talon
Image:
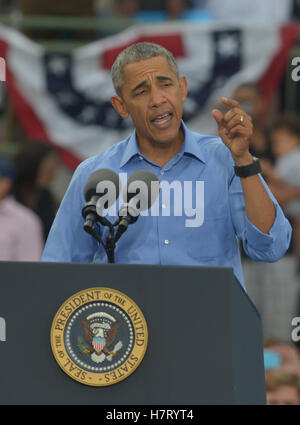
82	347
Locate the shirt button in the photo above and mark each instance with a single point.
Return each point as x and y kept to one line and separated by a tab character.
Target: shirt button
166	242
162	172
141	158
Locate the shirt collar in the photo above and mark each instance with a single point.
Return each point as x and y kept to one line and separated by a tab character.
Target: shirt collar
131	150
190	146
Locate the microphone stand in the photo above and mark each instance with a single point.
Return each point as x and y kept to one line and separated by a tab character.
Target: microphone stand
110	244
91	216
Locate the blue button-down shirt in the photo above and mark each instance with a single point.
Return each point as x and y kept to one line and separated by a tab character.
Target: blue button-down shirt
162	235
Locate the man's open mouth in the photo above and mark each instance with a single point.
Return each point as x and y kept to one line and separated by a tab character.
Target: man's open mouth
162	120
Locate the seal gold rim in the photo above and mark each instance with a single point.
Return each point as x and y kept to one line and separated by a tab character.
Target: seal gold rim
61	320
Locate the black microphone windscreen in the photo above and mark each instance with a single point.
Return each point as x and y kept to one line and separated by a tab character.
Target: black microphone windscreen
102	175
151	183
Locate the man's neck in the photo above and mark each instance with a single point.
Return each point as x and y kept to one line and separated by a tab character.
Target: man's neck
161	153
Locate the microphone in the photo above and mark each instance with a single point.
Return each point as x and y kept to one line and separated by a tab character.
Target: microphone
100	192
141	192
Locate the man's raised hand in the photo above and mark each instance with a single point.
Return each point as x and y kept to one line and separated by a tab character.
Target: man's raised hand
235	129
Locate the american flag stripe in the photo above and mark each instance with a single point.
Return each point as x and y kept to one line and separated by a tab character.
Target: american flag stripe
98	346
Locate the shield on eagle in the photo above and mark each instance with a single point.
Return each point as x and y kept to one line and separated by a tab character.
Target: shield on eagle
98	344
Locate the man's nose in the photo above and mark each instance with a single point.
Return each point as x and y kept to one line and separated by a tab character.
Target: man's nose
157	98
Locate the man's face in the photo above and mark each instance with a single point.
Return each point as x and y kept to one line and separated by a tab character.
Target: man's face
284	395
153	96
5	186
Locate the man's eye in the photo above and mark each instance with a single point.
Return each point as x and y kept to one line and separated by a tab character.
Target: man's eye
141	92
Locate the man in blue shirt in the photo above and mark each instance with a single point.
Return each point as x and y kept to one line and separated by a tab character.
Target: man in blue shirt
150	91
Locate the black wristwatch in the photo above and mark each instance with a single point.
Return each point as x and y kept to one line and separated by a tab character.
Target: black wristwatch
248	170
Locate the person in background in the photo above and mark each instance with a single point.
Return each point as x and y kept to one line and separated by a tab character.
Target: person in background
36	164
285	144
288	358
285	178
21	237
272	287
283	388
250	98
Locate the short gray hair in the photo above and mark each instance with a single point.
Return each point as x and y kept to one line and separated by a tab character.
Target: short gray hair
136	53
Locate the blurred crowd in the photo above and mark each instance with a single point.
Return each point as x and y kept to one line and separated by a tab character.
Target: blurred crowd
274	287
28	205
263	11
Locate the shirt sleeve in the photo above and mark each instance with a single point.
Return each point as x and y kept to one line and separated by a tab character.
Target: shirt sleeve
268	247
67	241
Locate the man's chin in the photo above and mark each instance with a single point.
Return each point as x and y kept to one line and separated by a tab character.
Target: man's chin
167	135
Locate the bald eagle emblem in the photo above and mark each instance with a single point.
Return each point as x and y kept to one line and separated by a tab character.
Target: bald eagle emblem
100	331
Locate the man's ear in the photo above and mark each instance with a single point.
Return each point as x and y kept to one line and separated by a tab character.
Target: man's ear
119	105
183	87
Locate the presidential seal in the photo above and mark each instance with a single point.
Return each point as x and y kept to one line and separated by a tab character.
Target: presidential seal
99	336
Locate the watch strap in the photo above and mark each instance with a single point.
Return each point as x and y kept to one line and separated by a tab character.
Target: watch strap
248	170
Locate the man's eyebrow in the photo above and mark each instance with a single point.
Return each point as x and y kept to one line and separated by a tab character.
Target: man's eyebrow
143	83
140	85
162	78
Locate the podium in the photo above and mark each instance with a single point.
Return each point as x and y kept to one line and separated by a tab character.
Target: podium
204	336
